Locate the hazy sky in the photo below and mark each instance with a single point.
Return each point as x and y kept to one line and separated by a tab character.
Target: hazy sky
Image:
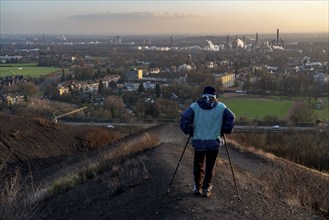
162	17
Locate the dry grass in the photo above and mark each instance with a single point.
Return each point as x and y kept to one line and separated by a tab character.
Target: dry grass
14	204
104	160
308	148
18	197
99	137
299	186
295	184
38	107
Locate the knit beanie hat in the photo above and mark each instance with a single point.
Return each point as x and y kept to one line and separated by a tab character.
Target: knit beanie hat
209	90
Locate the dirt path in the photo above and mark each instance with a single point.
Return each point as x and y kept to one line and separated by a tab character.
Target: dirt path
137	189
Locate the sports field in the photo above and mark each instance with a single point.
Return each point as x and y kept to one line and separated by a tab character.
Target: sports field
31	70
253	107
258	108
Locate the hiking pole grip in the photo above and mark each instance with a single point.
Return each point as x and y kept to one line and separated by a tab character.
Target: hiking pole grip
229	159
180	159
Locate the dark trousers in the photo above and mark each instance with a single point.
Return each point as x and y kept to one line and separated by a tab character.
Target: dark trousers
203	173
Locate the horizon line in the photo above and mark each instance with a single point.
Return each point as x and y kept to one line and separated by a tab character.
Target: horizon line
164	34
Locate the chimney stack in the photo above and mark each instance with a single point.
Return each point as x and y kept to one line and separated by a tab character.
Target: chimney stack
256	39
277	37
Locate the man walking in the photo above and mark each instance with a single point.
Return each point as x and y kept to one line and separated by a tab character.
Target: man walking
205	121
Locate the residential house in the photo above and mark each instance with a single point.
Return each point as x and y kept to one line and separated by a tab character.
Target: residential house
149	85
184	67
62	89
134	74
13	99
131	86
9	80
154	70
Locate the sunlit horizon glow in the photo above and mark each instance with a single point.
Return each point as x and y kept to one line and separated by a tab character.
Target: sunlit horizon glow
162	17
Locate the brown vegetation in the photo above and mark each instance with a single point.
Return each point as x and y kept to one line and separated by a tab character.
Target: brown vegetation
306	148
20	192
108	179
297	185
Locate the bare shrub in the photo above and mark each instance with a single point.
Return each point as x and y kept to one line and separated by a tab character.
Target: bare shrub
11	187
99	137
301	113
41	107
14	202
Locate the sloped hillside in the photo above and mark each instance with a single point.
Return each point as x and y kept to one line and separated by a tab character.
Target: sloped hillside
135	176
24	139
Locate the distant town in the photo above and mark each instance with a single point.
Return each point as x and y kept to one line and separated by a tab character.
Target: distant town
127	78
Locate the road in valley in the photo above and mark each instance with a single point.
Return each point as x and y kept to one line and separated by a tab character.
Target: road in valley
236	128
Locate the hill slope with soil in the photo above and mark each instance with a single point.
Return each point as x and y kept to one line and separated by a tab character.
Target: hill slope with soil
135	186
24	139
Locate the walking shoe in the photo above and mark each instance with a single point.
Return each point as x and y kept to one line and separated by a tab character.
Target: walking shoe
197	189
206	193
197	192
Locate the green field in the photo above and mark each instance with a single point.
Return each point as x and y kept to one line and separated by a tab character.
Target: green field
258	108
252	107
30	69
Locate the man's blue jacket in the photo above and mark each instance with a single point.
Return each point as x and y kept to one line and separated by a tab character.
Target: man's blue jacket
206	120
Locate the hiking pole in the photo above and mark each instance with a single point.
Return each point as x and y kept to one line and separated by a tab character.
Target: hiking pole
229	159
168	190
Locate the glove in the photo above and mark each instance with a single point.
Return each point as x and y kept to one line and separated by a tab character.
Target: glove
189	130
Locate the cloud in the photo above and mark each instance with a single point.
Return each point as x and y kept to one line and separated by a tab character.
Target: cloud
131	16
